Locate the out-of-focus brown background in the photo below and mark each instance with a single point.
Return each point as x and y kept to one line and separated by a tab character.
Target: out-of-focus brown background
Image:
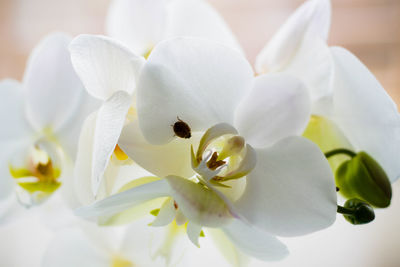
369	28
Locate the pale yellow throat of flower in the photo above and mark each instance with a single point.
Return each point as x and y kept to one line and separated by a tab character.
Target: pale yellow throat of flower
119	261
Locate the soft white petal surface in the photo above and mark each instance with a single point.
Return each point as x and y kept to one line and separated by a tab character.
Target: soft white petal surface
365	112
52	89
255	243
198	204
68	135
198	19
138	24
71	247
200	81
126	199
277	107
313	64
313	17
161	160
110	120
291	191
12	116
83	165
104	65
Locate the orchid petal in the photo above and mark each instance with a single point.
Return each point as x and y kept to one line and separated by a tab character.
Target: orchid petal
197	18
110	120
126	199
52	89
12	115
161	160
199	81
291	191
138	24
254	242
313	64
199	204
166	214
313	17
278	106
365	112
68	134
104	65
6	181
83	163
193	231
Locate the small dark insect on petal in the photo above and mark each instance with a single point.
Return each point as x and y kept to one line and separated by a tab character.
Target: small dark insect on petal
182	129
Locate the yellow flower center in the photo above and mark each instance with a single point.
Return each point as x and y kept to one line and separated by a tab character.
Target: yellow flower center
40	174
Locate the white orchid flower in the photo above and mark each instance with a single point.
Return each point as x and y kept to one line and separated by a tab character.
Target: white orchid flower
90	245
350	107
41	121
140	25
251	175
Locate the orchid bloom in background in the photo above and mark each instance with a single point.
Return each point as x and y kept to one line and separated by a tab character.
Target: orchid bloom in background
109	71
140	25
41	120
90	245
352	113
227	149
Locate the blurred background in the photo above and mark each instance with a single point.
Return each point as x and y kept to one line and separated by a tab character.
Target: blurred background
368	28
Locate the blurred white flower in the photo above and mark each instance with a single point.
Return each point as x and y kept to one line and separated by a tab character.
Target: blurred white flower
140	25
195	88
92	246
350	107
41	120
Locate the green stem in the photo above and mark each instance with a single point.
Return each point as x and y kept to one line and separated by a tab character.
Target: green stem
345	211
340	151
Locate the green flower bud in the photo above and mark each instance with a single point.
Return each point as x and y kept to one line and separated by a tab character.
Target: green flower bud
362	177
357	211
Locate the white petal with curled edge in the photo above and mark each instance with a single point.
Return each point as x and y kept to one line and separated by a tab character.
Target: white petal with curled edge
126	199
255	243
199	81
193	231
71	247
365	112
199	204
12	116
291	191
313	17
211	134
166	214
104	65
161	160
278	106
52	89
110	120
138	24
198	19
